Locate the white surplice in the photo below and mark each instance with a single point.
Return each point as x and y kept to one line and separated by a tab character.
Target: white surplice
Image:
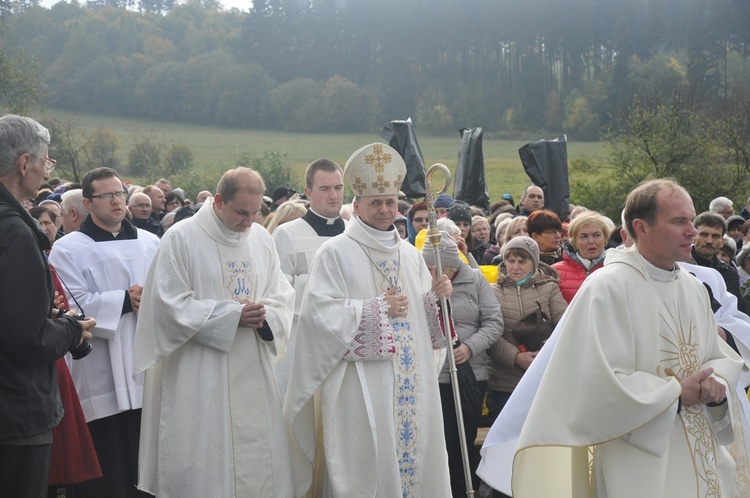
212	422
296	243
380	430
607	383
97	274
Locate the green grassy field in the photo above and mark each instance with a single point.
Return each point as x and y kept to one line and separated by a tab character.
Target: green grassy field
216	146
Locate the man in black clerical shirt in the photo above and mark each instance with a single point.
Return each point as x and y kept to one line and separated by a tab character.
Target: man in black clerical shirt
297	241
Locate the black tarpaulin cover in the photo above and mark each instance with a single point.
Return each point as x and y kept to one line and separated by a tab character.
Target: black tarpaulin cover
401	136
546	163
470	184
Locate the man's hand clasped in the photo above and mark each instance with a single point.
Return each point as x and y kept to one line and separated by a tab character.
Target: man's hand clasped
135	292
701	388
253	315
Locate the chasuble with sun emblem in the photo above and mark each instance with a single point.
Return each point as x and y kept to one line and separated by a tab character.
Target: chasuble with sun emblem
605	422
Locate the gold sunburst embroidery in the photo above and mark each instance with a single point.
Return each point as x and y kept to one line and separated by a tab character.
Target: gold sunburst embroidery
682	356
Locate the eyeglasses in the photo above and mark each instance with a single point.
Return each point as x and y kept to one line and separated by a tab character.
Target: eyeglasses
420	220
108	197
141	206
175	202
49	164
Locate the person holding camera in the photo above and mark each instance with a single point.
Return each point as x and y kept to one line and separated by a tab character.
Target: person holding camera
30	339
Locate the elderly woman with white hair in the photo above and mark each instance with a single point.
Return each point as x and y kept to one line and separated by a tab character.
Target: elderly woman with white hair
480	228
583	254
516	227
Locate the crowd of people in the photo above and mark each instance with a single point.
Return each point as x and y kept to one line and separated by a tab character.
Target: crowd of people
250	345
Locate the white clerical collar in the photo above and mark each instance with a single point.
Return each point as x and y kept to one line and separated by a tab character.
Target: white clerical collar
385	237
655	272
223	228
329	221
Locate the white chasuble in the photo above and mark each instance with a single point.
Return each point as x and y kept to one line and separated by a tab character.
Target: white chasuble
212	422
602	420
379	422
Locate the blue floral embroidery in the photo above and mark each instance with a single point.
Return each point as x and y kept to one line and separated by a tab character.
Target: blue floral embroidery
405	390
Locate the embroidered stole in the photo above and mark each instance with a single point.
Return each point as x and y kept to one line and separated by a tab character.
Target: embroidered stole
682	357
405	370
250	450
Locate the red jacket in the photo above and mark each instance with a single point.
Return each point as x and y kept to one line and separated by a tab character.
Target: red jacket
73	456
573	273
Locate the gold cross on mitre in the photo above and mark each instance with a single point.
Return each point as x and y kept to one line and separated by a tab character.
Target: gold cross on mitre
359	185
375	169
378	158
381	184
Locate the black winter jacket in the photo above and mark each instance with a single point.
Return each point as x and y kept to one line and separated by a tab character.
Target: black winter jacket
30	341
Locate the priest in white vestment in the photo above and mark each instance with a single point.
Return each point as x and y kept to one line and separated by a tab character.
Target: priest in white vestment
216	310
363	402
636	397
298	240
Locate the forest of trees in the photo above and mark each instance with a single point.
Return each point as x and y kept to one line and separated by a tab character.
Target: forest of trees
551	66
665	83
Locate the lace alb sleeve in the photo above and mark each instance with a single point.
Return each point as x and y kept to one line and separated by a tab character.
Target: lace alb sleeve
434	320
374	338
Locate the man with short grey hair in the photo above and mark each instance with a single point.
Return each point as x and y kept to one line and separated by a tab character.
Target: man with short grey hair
74	212
30	339
202	196
164	185
722	206
139	205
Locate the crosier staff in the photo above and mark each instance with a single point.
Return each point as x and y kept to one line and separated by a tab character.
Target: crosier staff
433	235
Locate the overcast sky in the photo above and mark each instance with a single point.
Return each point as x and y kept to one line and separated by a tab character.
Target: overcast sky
243	5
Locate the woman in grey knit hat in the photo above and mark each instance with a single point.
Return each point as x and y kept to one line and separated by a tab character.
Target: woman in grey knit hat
478	323
531	304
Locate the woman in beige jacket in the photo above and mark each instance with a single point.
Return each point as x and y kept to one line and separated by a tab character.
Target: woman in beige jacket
531	303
